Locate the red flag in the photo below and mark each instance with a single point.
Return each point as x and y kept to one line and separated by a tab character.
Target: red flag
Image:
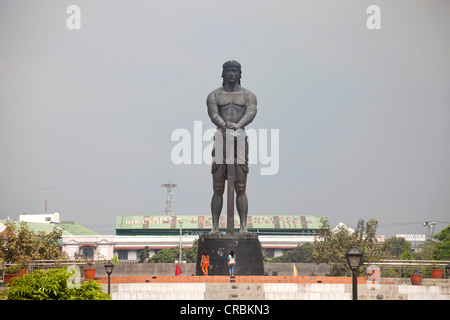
178	270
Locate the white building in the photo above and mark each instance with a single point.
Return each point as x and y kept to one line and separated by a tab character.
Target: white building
42	218
127	248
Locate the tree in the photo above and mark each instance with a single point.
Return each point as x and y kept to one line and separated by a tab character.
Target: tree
331	246
170	255
393	247
191	254
425	251
406	255
144	254
21	245
442	251
301	253
52	285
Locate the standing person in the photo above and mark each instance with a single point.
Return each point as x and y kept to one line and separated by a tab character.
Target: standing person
231	263
205	263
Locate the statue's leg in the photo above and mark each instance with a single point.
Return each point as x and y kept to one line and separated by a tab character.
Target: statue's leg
217	198
241	197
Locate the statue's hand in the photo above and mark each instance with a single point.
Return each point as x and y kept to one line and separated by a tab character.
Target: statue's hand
232	125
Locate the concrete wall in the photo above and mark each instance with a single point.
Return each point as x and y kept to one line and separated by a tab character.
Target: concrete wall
303	269
168	269
273	291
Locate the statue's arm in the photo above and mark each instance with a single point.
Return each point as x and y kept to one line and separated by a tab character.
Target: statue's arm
213	111
250	112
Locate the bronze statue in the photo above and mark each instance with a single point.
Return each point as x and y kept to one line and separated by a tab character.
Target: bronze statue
231	107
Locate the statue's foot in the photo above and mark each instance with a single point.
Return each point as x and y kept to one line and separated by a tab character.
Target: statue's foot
244	231
214	231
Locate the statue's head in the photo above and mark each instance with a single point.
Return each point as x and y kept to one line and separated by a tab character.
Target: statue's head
234	67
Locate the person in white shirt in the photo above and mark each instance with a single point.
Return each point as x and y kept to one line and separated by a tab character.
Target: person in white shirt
231	263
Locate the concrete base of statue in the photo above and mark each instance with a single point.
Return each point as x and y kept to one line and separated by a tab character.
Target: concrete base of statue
246	248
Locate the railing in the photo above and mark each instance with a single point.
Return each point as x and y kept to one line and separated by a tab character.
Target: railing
402	268
51	264
388	268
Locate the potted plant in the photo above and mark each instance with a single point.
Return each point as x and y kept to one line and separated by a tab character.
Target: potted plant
436	272
14	271
89	270
416	277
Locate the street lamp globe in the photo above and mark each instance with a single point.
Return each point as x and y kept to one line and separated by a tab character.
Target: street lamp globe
109	267
354	258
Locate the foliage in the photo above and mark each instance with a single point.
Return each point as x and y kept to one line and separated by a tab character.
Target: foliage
170	255
13	269
144	254
442	251
191	254
21	245
331	246
425	251
265	255
301	253
52	285
116	260
393	247
406	255
89	264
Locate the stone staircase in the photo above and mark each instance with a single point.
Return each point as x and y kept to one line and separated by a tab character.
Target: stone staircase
234	291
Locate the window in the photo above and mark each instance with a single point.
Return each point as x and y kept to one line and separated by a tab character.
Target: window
122	254
88	252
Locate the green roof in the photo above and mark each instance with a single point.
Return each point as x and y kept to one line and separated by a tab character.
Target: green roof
70	228
76	229
264	223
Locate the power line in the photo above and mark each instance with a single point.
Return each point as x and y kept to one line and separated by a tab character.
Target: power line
397	224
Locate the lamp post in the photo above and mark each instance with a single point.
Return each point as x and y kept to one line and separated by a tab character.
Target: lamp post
109	267
354	259
181	231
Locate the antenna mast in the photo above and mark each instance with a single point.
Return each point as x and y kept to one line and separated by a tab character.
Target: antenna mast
45	201
169	208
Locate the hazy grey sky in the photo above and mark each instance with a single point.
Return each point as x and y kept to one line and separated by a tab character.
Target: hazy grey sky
363	115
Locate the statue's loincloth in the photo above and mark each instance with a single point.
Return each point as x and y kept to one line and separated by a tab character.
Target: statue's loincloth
239	156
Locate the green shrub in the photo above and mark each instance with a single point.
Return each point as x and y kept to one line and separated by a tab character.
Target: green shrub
52	285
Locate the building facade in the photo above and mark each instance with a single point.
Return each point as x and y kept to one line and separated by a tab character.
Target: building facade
134	233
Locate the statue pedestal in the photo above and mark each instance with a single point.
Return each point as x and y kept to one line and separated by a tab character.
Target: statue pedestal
246	247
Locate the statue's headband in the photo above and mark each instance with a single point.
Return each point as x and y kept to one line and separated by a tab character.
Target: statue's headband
231	64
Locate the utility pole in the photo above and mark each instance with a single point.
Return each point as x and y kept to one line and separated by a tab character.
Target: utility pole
169	207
